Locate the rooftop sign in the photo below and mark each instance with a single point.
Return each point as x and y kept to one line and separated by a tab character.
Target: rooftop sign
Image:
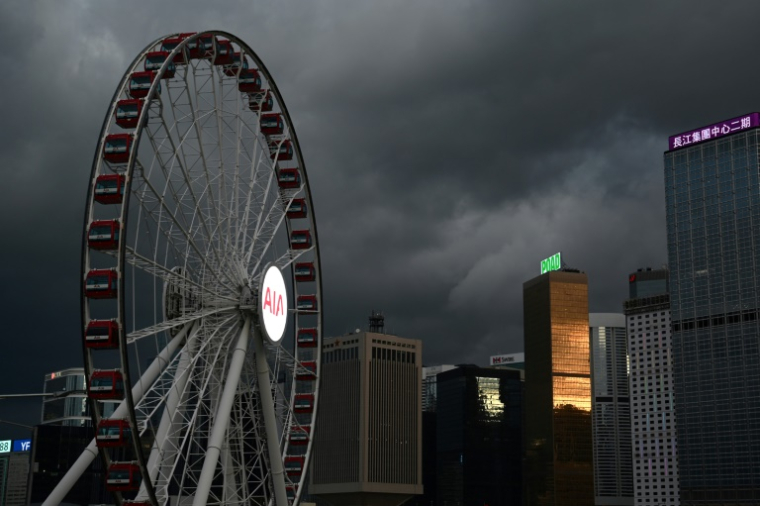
512	358
553	263
714	131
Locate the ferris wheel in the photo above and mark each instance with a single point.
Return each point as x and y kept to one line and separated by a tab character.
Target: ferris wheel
201	298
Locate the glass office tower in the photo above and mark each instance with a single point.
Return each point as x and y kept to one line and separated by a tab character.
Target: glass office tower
558	467
479	437
713	224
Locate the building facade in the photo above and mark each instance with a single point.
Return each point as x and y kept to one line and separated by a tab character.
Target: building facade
611	410
71	409
653	417
369	443
429	385
558	448
712	190
479	437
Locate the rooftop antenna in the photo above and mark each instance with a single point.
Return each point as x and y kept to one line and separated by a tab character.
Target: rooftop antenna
377	322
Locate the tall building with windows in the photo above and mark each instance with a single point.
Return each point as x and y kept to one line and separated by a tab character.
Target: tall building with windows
712	189
479	437
653	418
70	407
611	410
368	446
558	451
430	386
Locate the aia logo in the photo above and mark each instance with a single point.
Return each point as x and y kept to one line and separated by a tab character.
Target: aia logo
273	300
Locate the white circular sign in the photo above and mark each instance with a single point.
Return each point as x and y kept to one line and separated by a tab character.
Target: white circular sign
273	304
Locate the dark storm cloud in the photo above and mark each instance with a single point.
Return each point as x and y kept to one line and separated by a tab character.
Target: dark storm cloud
450	147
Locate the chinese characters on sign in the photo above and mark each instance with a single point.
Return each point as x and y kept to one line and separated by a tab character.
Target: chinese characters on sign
707	133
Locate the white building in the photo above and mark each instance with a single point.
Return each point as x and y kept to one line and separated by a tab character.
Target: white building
653	419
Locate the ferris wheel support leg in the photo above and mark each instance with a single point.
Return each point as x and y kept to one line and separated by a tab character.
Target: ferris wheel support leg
222	418
270	420
88	455
166	436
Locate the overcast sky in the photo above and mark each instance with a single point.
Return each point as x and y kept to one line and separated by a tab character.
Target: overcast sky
451	145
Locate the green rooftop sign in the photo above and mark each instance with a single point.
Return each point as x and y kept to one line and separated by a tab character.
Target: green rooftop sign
553	263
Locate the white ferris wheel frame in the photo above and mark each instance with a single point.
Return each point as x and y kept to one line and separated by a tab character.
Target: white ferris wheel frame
162	390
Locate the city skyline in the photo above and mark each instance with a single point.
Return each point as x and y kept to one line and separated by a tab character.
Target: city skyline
442	220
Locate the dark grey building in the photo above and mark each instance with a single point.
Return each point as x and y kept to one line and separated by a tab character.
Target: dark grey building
479	437
610	410
712	192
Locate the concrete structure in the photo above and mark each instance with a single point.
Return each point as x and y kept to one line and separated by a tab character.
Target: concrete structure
712	190
368	441
610	410
558	465
653	417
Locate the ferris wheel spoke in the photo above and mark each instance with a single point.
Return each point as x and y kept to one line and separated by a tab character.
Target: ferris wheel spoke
176	322
209	297
188	237
190	182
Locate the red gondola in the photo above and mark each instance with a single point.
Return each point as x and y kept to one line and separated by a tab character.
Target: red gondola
223	52
116	148
288	178
101	284
170	43
249	81
106	384
109	189
305	272
293	466
307	338
297	209
290	490
112	433
202	47
306	303
281	151
128	112
231	69
300	239
299	436
123	477
102	334
261	102
104	234
140	83
303	403
155	59
272	124
307	371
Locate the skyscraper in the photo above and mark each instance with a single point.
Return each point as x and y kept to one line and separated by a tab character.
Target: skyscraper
72	408
368	443
653	418
557	426
712	190
479	437
611	410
